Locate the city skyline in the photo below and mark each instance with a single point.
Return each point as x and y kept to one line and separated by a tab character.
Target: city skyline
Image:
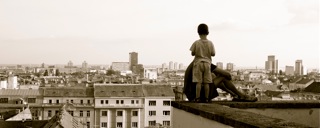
103	32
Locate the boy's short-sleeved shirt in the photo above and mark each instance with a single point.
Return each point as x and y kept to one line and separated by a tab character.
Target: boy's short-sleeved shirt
203	50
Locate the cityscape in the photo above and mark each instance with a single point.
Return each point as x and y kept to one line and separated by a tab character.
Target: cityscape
127	94
129	64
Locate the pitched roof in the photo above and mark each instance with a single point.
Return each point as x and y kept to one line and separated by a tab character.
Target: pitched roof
158	91
62	119
118	91
24	115
273	93
68	92
24	124
304	81
20	92
314	87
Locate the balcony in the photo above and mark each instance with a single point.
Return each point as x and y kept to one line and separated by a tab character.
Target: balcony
119	106
245	114
74	104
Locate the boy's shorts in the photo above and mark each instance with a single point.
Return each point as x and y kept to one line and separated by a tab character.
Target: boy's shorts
201	72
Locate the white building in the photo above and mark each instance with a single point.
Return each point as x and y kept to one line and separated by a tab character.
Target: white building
3	84
12	82
150	73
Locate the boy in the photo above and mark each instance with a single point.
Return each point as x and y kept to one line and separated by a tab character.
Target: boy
202	50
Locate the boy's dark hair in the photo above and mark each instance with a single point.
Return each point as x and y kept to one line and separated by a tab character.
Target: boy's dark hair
203	29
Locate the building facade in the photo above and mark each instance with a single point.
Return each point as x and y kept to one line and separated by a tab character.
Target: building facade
133	59
120	66
220	65
298	68
289	70
271	65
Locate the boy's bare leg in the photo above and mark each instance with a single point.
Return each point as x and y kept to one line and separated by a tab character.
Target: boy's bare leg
198	90
224	88
206	90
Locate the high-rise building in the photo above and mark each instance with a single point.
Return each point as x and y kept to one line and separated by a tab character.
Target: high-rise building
220	65
170	65
271	64
230	66
133	59
42	65
181	66
298	68
175	65
289	70
84	65
70	64
164	65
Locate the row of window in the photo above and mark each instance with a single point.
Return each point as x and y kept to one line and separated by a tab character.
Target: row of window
164	123
6	100
33	100
135	113
154	103
119	124
154	113
81	113
135	124
71	101
119	113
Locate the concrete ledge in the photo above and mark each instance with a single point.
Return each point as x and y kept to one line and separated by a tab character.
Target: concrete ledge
232	116
271	104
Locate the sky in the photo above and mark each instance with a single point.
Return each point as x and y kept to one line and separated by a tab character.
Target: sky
244	32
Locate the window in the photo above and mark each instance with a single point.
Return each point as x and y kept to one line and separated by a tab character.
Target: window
71	101
166	113
107	102
31	100
70	112
81	113
121	101
4	100
166	123
119	124
137	101
134	113
88	113
117	101
49	113
57	112
57	101
101	101
119	113
152	103
81	101
104	124
132	101
104	113
88	124
50	101
67	101
88	101
166	103
152	123
134	124
152	113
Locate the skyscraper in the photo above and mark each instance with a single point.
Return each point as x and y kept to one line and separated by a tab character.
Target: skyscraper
230	66
298	68
220	65
289	70
170	65
181	66
175	65
84	65
271	64
133	59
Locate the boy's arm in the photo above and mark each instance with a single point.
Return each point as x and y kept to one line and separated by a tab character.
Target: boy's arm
222	72
213	51
193	49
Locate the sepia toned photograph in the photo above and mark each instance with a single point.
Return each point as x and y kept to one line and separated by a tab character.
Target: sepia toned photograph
159	63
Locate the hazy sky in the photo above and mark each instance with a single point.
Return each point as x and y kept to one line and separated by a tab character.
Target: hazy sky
244	32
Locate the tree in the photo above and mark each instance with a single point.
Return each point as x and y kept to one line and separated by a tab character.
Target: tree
280	72
57	72
45	73
112	72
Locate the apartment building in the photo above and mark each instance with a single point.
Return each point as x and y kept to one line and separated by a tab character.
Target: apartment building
80	100
158	111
